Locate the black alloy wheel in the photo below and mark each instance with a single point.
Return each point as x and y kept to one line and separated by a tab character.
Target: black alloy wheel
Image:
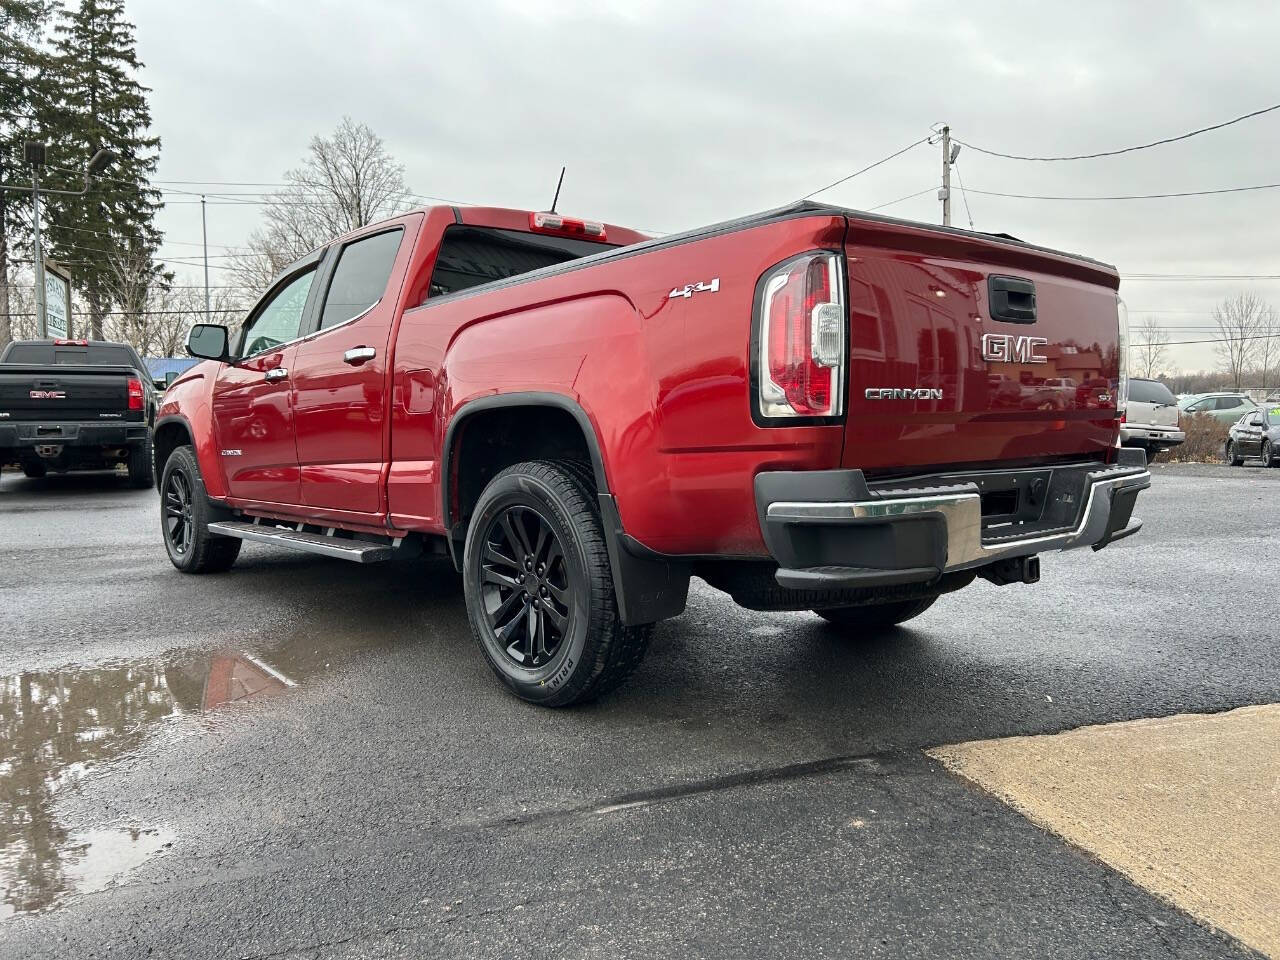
539	586
178	522
525	586
185	513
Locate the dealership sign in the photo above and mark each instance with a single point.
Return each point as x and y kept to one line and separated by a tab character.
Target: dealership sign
57	301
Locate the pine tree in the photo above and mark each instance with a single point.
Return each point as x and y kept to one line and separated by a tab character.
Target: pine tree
25	96
102	106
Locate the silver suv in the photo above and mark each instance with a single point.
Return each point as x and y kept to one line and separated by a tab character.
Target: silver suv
1151	419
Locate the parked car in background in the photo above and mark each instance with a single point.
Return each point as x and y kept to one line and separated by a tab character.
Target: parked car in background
1256	434
76	405
1151	420
1223	407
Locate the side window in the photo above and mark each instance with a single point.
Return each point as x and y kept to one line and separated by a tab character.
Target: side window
281	319
1229	403
360	278
1254	419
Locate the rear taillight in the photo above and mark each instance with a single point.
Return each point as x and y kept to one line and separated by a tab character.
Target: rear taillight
1122	357
135	393
801	342
566	226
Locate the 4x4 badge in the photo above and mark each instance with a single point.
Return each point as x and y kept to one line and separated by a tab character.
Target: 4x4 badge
689	289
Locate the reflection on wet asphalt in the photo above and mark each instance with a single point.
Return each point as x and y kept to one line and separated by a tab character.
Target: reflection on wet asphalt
756	788
57	726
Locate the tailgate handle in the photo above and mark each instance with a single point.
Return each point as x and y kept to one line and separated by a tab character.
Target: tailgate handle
1013	299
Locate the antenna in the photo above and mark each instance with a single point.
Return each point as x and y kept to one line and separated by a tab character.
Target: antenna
559	184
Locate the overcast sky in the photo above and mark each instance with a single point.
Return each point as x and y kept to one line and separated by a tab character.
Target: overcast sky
671	115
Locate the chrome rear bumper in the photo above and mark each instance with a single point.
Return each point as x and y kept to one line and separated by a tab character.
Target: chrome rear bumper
912	535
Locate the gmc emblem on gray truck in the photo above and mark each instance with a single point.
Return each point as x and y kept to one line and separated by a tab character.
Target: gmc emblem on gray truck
903	393
1007	348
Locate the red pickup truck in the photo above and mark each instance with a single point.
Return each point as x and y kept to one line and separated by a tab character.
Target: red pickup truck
811	408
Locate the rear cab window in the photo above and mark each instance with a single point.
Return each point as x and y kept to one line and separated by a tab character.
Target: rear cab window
95	354
1150	391
470	256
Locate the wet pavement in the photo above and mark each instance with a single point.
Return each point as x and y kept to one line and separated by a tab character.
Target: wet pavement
308	757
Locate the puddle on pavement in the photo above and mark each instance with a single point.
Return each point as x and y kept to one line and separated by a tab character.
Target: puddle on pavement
56	726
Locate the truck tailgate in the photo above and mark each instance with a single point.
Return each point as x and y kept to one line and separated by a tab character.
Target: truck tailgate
937	377
64	393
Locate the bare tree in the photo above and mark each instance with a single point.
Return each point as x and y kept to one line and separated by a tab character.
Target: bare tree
154	315
347	180
1148	354
134	283
22	305
1237	319
1268	341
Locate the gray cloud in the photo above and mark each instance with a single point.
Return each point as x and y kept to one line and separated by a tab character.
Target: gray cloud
674	114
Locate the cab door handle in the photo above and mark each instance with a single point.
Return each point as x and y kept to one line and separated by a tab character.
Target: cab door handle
358	355
276	373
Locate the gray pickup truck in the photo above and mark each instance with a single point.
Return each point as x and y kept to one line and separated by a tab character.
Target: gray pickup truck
76	405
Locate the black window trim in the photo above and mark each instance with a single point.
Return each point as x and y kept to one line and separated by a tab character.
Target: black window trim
325	278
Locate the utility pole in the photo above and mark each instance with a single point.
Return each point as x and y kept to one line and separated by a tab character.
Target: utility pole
35	157
945	193
204	234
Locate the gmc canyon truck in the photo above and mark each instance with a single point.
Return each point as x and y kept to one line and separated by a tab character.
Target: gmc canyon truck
811	408
76	405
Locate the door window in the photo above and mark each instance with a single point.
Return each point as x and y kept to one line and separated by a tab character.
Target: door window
360	278
281	319
1229	403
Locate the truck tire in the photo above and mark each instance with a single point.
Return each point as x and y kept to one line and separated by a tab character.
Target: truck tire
142	465
34	471
876	616
184	519
539	588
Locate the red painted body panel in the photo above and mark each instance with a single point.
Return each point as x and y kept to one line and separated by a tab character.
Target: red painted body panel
918	312
665	381
254	427
341	410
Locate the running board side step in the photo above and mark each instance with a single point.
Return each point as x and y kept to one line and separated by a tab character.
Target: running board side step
358	551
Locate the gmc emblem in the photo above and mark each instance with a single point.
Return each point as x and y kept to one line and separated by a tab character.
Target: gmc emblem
48	394
1007	348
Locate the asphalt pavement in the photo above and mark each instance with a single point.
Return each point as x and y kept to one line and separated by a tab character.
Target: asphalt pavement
305	757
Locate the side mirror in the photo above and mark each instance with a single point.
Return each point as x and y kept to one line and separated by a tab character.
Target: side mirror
209	341
162	384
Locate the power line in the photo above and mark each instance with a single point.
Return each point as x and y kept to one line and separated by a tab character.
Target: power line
145	313
963	193
1135	196
872	166
1196	277
1183	343
909	196
1140	146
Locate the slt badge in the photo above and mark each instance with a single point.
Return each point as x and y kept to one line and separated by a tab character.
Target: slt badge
689	289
